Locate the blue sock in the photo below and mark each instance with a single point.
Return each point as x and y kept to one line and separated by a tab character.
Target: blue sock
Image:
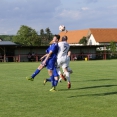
52	80
48	79
35	73
55	82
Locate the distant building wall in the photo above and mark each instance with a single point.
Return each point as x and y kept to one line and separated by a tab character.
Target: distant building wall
91	41
24	51
86	51
83	51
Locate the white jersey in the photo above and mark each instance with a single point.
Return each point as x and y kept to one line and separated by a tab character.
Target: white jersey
63	49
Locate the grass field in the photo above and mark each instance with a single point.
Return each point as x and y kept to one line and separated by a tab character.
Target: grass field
93	92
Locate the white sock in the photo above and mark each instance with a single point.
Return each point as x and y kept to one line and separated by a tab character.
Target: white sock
67	76
58	70
60	79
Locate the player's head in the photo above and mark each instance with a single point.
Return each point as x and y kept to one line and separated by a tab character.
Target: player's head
64	38
56	38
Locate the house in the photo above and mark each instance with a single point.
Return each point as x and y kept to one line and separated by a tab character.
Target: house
101	36
96	38
79	50
74	36
7	49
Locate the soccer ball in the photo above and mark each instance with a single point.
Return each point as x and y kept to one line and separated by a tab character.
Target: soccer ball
62	28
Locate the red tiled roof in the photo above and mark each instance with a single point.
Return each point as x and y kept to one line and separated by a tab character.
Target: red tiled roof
74	36
104	34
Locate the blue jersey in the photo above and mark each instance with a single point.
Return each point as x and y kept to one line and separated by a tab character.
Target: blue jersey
50	64
54	48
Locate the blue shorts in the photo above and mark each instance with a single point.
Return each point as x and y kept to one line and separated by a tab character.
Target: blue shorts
50	63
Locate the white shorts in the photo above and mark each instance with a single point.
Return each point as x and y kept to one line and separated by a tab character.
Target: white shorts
62	62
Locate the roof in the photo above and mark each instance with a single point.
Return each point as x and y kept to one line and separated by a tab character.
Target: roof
7	43
104	34
74	36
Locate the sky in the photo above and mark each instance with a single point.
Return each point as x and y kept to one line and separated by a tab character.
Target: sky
41	14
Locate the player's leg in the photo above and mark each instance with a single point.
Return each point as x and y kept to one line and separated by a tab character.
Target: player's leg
67	74
69	70
31	78
60	75
55	81
59	62
47	80
50	66
55	73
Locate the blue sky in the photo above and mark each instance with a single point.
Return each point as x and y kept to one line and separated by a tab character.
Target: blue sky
40	14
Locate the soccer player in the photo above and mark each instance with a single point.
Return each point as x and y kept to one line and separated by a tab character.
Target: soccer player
62	59
68	68
55	76
49	60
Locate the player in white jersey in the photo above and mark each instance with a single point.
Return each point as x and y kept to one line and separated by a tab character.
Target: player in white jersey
62	59
68	67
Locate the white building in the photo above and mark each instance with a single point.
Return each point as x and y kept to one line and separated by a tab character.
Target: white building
101	36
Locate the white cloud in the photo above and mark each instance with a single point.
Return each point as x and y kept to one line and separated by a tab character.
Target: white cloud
85	8
70	14
40	14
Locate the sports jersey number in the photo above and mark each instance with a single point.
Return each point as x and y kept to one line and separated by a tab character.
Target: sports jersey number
65	48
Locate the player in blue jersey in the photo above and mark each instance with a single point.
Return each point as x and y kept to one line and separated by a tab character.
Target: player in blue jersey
49	59
53	80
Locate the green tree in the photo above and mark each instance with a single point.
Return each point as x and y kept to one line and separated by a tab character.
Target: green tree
6	37
27	36
113	47
41	32
46	36
83	41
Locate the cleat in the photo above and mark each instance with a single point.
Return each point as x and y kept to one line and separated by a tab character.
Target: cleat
53	89
69	85
30	78
60	81
70	71
63	77
44	82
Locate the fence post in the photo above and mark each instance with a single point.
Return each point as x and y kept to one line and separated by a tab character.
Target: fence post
88	57
19	58
104	55
36	58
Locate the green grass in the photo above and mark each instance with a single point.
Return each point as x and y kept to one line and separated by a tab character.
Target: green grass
93	92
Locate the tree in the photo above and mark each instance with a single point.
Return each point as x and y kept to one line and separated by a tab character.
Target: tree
6	37
41	32
113	47
83	41
27	36
46	36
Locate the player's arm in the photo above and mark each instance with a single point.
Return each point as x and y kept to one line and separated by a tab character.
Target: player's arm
53	48
43	57
47	57
69	53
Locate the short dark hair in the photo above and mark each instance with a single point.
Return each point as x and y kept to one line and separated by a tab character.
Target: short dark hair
64	38
57	36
